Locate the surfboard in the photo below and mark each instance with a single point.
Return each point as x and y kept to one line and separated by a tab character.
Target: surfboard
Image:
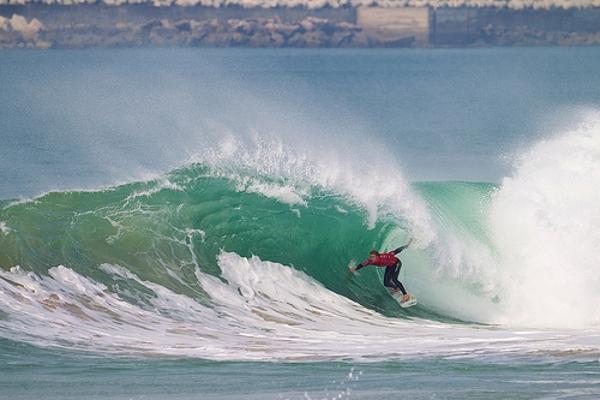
412	300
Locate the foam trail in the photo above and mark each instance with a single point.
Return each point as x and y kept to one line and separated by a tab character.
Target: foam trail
261	311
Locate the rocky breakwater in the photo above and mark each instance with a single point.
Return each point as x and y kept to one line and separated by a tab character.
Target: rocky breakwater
243	32
18	32
259	32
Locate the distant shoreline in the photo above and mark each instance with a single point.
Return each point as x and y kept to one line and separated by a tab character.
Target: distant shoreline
38	25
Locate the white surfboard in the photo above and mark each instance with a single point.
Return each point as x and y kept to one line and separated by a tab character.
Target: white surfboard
412	300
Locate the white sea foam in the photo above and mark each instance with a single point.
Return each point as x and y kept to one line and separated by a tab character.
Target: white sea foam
258	310
161	184
4	229
545	223
540	267
283	193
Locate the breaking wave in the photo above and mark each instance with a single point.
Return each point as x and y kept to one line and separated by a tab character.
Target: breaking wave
243	254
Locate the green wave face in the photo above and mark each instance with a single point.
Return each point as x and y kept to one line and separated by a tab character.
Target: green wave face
163	230
459	207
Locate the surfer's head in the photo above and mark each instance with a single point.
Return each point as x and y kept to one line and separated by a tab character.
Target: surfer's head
373	255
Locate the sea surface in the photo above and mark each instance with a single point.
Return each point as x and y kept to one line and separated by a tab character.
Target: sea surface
178	223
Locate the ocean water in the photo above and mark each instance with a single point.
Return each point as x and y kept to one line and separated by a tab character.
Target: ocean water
178	223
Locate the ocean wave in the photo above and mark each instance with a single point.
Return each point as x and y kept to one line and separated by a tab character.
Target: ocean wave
243	254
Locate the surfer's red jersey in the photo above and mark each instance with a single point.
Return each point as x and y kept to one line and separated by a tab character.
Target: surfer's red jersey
382	260
392	266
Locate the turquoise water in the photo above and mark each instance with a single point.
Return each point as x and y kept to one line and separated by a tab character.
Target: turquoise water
178	223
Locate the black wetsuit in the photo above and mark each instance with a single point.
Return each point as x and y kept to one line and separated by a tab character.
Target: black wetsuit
390	277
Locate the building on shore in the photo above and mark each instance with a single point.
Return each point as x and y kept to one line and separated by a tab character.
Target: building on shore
393	27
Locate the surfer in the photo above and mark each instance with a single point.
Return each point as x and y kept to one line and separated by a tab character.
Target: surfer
392	266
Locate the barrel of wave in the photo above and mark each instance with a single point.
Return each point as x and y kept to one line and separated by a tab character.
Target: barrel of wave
452	273
162	230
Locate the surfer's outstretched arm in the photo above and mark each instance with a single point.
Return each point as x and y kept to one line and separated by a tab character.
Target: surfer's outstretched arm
359	266
401	248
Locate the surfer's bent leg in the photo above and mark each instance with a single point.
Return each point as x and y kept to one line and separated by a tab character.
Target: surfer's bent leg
394	277
387	277
390	278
